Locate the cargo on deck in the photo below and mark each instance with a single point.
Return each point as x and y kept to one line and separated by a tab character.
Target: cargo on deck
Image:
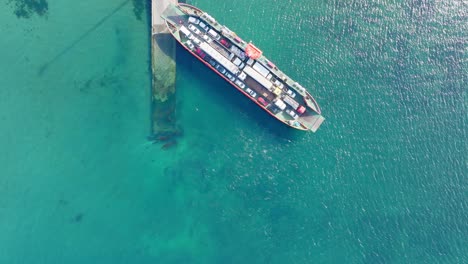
291	102
259	78
218	57
262	70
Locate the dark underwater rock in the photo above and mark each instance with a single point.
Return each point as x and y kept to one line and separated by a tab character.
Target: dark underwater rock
78	218
27	8
139	8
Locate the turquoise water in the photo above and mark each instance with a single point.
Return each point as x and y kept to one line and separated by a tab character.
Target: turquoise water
382	181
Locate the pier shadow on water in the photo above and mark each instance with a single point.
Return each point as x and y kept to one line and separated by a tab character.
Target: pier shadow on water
161	71
165	43
164	127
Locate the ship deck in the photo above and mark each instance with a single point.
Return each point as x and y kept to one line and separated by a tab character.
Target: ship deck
178	16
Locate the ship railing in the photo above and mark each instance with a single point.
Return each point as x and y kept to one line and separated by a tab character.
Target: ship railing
310	102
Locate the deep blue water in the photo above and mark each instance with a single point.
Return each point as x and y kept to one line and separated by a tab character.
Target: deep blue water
382	181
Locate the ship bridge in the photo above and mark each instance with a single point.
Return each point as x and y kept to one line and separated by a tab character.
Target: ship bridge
252	51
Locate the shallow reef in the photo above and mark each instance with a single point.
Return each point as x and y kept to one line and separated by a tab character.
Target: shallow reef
139	7
27	8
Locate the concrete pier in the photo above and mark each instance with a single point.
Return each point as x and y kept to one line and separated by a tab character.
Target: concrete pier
163	52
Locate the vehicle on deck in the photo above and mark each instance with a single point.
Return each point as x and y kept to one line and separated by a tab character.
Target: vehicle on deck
190	44
252	93
230	77
238	62
291	113
291	93
207	39
204	26
201	53
196	41
262	101
214	34
213	63
225	43
240	84
242	76
194	29
194	20
221	69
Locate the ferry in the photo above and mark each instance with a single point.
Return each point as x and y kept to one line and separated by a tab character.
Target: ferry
244	66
